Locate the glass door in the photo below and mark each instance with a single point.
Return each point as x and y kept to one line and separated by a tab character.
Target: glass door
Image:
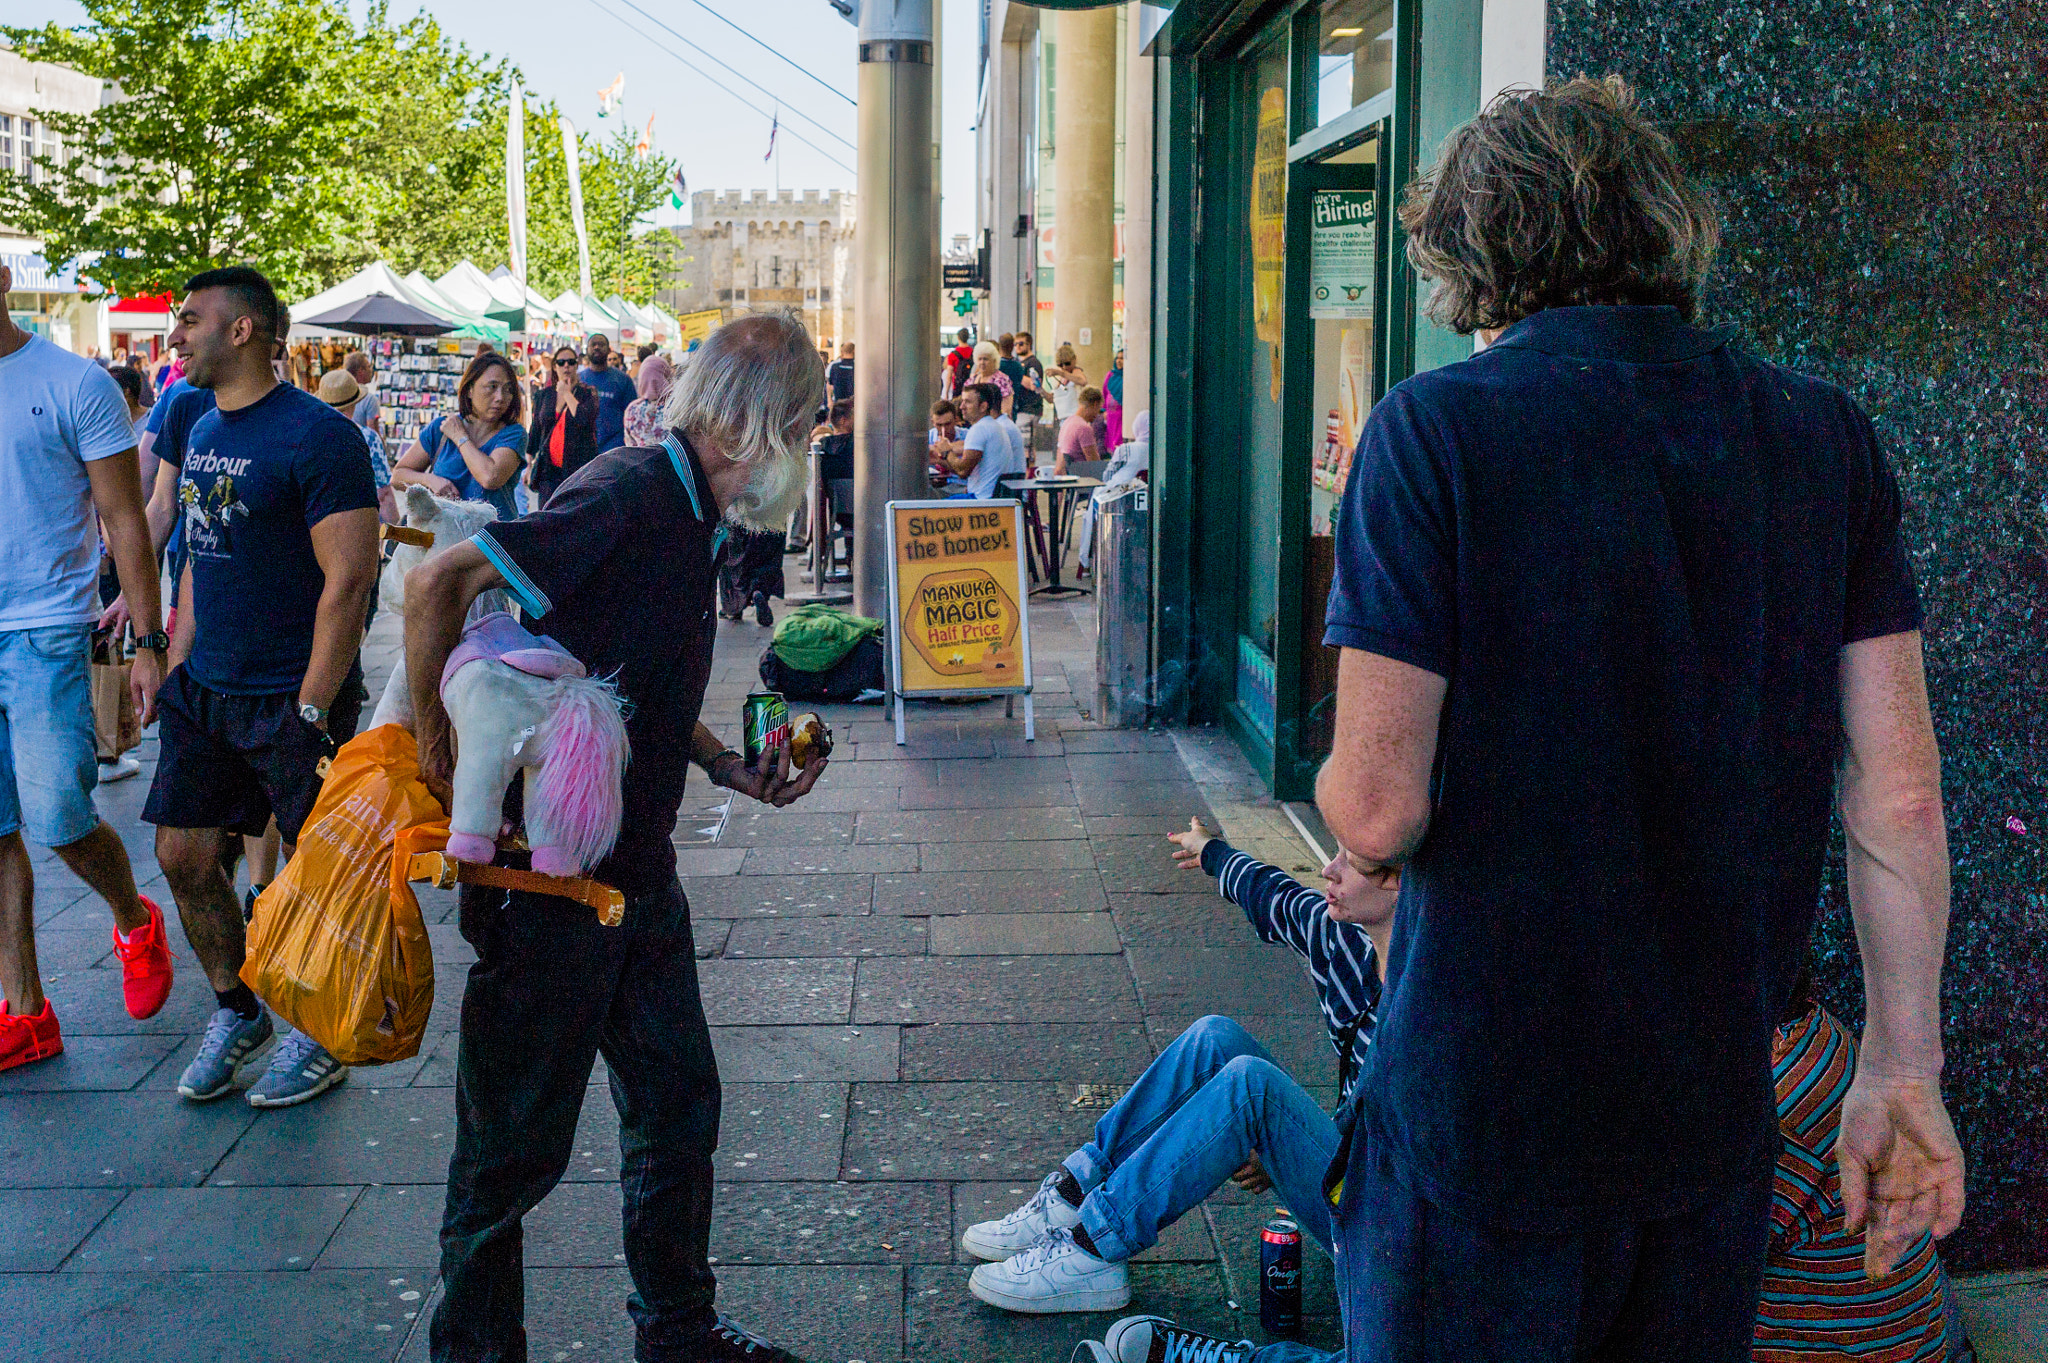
1335	372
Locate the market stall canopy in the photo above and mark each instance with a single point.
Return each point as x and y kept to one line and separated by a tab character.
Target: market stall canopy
470	289
379	314
376	277
597	317
468	323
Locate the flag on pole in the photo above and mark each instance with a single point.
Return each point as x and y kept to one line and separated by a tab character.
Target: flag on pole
646	142
515	183
774	125
572	153
678	189
609	97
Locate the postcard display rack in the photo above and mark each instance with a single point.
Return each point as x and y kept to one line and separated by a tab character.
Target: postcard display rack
417	379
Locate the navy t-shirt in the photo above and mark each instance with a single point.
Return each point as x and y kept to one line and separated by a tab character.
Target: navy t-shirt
1635	553
643	516
615	393
256	480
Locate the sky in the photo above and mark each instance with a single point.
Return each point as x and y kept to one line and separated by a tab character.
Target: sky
571	50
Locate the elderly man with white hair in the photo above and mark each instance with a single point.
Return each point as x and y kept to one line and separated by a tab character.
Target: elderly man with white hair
620	568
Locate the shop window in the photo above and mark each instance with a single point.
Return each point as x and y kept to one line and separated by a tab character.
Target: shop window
6	144
1354	55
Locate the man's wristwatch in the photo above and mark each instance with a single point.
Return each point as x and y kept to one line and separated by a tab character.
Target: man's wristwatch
312	714
156	642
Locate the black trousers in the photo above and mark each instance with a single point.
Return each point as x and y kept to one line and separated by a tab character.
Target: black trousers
551	989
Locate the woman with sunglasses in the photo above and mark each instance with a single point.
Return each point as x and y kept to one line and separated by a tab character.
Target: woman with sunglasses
563	436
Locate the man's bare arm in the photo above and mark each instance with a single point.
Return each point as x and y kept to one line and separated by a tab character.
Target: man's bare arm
345	546
117	496
438	594
1902	1168
1374	789
163	504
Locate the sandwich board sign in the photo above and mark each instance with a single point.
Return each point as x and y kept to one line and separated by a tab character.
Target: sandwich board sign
958	618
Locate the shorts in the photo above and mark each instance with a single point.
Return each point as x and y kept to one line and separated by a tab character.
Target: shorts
235	761
49	762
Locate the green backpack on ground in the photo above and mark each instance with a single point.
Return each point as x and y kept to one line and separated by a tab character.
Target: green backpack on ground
814	637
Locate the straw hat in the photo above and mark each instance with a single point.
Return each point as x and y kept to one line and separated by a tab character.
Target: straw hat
338	388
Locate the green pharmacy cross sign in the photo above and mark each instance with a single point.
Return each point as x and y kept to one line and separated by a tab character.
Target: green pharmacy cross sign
963	303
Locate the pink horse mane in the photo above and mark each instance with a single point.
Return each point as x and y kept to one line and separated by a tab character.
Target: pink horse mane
583	753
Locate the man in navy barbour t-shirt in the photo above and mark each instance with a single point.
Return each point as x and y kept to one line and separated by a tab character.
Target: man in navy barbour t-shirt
1614	600
279	521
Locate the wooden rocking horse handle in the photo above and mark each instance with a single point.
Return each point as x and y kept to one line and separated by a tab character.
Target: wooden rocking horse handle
444	872
404	534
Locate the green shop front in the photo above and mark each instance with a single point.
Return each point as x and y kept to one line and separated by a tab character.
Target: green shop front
1282	311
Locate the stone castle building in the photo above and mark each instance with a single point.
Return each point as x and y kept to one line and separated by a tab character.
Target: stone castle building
747	252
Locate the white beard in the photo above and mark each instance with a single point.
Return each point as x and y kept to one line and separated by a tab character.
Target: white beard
772	495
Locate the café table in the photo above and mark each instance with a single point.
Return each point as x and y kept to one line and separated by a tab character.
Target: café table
1048	535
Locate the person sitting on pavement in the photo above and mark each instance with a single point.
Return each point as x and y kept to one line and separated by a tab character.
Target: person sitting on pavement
992	449
552	989
280	534
1215	1105
67	452
1817	1307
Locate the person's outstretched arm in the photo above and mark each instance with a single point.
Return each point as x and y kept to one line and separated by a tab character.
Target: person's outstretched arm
1901	1166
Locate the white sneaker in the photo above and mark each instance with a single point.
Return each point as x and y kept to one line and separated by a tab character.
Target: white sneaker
120	769
1053	1275
1046	1212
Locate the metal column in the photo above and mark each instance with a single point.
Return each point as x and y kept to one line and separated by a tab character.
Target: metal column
898	254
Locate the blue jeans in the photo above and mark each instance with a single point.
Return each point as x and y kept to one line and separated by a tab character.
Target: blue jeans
48	763
1211	1100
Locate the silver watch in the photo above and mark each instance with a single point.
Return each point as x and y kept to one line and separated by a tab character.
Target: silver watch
312	713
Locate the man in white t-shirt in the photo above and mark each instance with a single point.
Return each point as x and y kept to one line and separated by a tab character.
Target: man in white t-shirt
993	448
67	451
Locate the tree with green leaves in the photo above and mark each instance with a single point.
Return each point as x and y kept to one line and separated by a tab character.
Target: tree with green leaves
226	144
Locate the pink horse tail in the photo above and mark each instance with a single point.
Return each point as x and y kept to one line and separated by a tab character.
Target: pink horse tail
583	755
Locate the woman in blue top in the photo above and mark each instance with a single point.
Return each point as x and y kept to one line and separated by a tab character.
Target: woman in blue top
475	457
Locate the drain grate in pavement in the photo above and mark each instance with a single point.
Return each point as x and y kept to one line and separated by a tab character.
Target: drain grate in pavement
1098	1097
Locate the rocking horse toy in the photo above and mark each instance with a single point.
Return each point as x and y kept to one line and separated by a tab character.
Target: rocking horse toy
520	703
429	525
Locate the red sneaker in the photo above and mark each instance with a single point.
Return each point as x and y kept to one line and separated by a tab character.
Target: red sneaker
145	964
24	1040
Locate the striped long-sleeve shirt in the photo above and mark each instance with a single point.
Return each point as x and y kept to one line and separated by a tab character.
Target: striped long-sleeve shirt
1340	957
1817	1306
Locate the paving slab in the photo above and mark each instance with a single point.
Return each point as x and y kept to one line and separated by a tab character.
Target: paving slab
970	826
975	795
1158	799
710	861
104	1063
40	1226
806	1054
1115	740
928	749
758	826
214	1230
1094	769
981	1131
1041	890
1064	1052
995	989
1072	855
803	861
343	1317
1202	919
350	1136
794	896
60	951
114	1140
1139	825
993	773
1226	980
1038	934
88	1003
865	935
809	991
396	1226
832	1223
945	1322
1238	1217
1140	865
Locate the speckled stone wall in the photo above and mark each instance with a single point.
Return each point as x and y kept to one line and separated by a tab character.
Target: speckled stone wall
1883	171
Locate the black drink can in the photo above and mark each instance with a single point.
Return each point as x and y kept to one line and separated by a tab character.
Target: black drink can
764	724
1280	1278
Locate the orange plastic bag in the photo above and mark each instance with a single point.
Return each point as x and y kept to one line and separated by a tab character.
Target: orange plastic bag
338	947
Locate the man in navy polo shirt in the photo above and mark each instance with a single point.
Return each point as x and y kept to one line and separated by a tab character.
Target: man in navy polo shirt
1616	602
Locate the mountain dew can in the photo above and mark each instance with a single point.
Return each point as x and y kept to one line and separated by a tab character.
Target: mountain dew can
764	724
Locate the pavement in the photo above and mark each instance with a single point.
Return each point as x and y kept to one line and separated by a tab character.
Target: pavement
925	982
